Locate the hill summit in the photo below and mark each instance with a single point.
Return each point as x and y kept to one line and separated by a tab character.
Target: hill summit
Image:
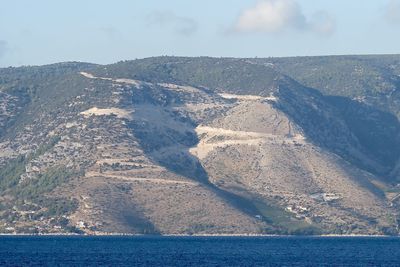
178	145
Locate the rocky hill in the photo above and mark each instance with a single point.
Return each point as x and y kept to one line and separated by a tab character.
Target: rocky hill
173	145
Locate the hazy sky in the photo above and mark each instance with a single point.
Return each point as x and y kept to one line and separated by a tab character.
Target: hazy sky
103	31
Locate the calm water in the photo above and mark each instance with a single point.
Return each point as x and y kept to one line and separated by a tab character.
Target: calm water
198	251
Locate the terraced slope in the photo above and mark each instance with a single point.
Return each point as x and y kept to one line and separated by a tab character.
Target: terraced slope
192	146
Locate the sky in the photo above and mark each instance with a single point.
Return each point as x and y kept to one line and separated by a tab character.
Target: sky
106	31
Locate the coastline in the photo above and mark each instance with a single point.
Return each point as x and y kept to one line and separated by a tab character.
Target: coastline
194	235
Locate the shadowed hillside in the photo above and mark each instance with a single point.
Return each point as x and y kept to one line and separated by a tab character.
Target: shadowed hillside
174	145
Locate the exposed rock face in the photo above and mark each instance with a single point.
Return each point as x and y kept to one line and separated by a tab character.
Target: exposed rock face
182	146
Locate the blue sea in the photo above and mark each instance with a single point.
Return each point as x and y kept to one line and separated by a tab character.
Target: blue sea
198	251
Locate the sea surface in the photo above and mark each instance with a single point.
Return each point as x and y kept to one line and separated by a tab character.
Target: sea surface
198	251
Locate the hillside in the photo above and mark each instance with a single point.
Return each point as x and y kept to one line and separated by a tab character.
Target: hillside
174	145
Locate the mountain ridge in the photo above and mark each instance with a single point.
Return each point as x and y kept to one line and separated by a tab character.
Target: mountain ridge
183	145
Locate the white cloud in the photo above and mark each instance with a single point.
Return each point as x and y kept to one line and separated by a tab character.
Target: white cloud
271	16
392	12
181	25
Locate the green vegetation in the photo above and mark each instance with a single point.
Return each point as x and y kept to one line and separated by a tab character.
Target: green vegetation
10	174
40	89
32	194
365	77
35	190
284	220
58	206
45	147
45	182
350	109
349	76
372	79
229	74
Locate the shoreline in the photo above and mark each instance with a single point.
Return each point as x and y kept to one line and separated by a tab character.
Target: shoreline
194	235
